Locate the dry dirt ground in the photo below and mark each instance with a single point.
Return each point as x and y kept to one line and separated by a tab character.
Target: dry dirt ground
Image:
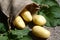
55	33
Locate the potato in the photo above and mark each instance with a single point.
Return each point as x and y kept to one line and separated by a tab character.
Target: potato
39	19
40	32
26	15
19	23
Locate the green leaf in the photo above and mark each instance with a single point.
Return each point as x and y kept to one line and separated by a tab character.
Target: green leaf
2	28
50	3
47	2
55	11
39	1
20	33
48	22
3	38
26	38
51	22
58	22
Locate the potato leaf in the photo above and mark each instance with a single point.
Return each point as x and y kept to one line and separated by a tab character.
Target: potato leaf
3	38
26	38
55	11
47	2
2	28
21	34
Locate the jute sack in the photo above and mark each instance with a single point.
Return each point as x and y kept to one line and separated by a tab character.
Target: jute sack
12	8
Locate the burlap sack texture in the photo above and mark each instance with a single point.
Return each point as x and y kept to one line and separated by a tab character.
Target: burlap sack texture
12	8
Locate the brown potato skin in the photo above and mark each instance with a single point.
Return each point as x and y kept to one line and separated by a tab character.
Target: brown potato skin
40	32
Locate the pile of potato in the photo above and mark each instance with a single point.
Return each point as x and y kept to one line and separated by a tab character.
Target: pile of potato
38	20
